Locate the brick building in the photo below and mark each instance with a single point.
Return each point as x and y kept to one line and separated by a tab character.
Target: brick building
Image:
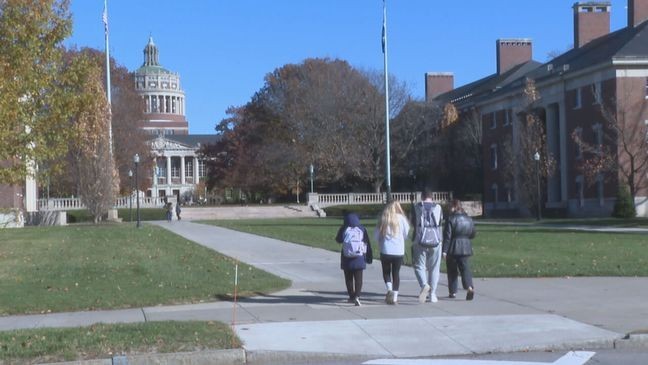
604	70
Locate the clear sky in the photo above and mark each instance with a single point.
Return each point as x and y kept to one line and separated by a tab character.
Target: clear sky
222	49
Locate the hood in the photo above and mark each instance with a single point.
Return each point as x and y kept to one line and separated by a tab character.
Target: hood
352	220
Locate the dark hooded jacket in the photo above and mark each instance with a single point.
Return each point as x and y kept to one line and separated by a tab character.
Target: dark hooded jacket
354	263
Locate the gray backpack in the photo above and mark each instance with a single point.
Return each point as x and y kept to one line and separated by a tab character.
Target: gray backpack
428	233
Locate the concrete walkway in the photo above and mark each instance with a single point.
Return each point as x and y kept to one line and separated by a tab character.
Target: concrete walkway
313	318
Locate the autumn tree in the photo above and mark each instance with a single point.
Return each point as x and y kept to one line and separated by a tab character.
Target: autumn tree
619	151
90	153
33	108
528	138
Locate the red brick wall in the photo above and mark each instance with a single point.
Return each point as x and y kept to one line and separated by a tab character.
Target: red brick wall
637	12
512	52
437	83
589	24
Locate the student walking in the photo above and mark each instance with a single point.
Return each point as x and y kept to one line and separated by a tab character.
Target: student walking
356	253
391	232
426	220
457	249
169	211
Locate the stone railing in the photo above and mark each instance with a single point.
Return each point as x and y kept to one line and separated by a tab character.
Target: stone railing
121	202
327	200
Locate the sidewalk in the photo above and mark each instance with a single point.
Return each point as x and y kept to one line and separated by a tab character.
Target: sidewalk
312	317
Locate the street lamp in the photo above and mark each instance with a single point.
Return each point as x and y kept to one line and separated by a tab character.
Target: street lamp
130	196
136	160
311	170
536	157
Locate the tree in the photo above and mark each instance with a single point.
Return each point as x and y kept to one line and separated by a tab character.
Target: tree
33	109
529	136
89	125
621	151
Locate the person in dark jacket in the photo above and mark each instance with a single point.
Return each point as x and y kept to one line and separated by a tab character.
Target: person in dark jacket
354	266
457	249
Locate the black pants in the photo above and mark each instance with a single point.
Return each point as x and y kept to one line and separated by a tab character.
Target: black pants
352	277
454	265
391	265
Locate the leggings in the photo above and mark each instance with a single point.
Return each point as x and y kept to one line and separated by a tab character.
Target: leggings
391	269
351	276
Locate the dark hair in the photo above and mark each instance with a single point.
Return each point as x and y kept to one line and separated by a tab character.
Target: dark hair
427	193
455	206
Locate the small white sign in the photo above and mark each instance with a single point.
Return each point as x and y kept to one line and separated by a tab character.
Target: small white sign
571	358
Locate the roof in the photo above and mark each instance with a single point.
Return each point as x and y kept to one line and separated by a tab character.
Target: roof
194	139
153	70
626	44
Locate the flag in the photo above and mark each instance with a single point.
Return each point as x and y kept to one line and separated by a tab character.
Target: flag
384	27
104	17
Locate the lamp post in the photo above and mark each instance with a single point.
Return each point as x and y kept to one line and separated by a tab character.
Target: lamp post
130	196
136	160
536	157
311	169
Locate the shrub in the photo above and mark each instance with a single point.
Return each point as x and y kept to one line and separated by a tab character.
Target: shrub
624	205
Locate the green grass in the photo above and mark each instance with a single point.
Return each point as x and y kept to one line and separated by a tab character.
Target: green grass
107	340
88	267
500	251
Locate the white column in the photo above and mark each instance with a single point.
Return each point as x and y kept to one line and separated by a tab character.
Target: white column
195	166
182	170
168	170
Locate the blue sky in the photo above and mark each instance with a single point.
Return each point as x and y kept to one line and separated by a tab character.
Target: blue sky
222	49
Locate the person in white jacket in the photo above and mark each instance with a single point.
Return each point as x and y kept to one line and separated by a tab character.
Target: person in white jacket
391	232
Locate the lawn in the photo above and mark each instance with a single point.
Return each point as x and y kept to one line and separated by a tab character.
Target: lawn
107	340
88	267
500	251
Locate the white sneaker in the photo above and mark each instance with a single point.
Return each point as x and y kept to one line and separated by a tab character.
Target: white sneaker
357	302
433	298
389	298
425	290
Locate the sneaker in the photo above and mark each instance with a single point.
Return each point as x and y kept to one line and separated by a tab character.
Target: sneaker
471	294
389	298
350	300
425	290
452	295
433	298
357	302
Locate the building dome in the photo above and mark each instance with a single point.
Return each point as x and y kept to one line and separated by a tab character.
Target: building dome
163	97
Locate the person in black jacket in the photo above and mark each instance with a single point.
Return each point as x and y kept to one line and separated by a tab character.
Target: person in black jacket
354	266
457	249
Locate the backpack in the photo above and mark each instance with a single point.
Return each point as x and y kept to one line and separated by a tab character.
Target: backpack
429	232
353	245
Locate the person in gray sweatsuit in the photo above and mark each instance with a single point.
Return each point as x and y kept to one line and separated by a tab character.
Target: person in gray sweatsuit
457	249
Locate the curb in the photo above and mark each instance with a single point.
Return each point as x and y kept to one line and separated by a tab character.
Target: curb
632	341
221	357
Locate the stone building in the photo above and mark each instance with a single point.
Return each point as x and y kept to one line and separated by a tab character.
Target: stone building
178	170
603	69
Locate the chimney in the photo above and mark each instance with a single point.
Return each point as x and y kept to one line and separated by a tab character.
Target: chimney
591	21
637	12
437	83
512	52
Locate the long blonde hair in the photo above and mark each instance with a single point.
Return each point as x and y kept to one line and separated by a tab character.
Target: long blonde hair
389	222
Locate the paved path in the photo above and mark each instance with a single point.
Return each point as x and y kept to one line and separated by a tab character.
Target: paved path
312	316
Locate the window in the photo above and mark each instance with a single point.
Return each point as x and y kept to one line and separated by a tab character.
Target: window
598	135
600	189
507	117
578	133
495	191
509	193
201	168
580	190
493	120
577	98
189	172
493	156
596	92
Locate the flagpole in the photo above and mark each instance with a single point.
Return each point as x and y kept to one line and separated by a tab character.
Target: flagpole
108	98
386	72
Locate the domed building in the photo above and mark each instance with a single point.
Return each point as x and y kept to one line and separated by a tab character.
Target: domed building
178	170
162	94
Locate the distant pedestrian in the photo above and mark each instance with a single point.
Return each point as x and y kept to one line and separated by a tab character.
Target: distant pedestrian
178	210
457	249
169	211
356	253
426	218
391	233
